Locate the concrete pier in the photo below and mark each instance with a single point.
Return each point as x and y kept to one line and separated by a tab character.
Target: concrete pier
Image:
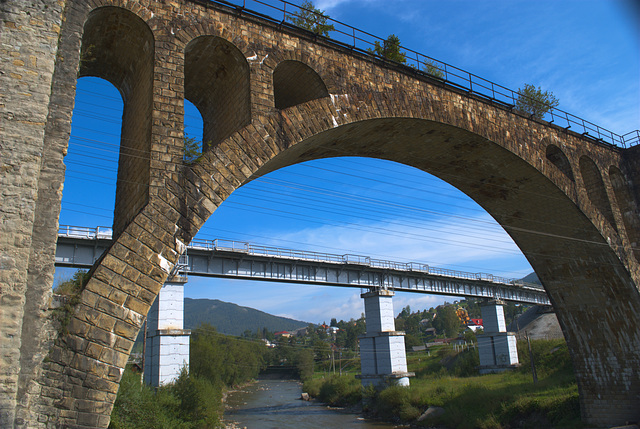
167	349
496	346
382	353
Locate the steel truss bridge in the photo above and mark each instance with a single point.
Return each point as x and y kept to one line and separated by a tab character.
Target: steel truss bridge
80	247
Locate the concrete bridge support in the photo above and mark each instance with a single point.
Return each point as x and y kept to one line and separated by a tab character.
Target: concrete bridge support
167	346
497	347
382	354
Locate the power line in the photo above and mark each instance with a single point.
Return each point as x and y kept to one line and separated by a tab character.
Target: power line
385	202
144	155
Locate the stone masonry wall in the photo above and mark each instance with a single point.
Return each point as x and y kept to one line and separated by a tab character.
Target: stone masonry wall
29	33
374	109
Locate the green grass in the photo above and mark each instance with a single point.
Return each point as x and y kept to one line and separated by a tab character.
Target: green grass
449	380
489	401
336	390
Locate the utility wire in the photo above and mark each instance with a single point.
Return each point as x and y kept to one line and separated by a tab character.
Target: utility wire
386	183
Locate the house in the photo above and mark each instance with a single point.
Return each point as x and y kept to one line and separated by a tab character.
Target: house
475	324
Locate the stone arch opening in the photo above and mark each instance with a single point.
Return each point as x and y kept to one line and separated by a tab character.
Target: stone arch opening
93	154
595	188
627	208
579	270
118	46
217	83
560	160
193	128
295	83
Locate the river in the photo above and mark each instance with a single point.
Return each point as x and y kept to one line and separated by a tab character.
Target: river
271	404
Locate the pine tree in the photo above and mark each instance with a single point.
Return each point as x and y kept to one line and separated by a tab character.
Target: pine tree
312	19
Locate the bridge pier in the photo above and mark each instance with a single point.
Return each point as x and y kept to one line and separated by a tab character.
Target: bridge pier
383	358
496	346
167	348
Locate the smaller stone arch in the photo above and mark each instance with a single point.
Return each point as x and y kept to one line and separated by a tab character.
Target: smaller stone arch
295	83
596	191
217	82
560	160
628	211
118	46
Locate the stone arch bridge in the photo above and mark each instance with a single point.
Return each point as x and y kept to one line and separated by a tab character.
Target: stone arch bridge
270	96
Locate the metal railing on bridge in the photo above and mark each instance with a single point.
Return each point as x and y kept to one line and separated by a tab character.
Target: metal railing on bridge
99	232
349	259
344	35
437	277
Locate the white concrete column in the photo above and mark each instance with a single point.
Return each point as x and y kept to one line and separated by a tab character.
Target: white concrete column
167	349
497	347
382	353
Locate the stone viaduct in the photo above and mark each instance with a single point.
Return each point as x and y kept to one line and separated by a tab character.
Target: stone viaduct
272	96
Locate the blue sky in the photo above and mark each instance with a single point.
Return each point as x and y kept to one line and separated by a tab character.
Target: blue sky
586	51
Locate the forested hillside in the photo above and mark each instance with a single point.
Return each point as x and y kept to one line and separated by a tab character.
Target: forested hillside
233	319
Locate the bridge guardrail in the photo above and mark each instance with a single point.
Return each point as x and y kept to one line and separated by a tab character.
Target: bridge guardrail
306	255
99	232
418	63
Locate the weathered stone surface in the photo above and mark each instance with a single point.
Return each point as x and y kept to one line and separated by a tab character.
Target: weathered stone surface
570	203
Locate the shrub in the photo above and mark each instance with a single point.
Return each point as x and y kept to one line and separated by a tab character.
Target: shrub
338	390
137	406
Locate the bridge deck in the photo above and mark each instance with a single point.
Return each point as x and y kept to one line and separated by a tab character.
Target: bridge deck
81	247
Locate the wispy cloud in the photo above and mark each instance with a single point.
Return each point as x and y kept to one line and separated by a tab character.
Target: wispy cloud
328	5
455	243
451	244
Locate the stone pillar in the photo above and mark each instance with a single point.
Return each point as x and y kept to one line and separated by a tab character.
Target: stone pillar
496	346
167	349
382	354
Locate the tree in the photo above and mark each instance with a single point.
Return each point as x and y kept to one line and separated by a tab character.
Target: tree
192	150
446	321
433	69
390	49
312	19
535	102
73	286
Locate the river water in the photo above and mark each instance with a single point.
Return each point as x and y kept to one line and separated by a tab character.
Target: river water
271	404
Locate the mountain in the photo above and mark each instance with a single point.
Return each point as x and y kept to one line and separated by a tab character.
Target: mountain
531	278
233	319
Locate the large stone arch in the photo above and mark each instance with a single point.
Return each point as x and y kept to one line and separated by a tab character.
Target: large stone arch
587	282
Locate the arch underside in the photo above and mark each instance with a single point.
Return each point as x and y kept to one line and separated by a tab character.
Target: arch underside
587	283
126	62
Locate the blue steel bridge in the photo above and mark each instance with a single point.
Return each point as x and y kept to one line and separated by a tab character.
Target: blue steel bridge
80	247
